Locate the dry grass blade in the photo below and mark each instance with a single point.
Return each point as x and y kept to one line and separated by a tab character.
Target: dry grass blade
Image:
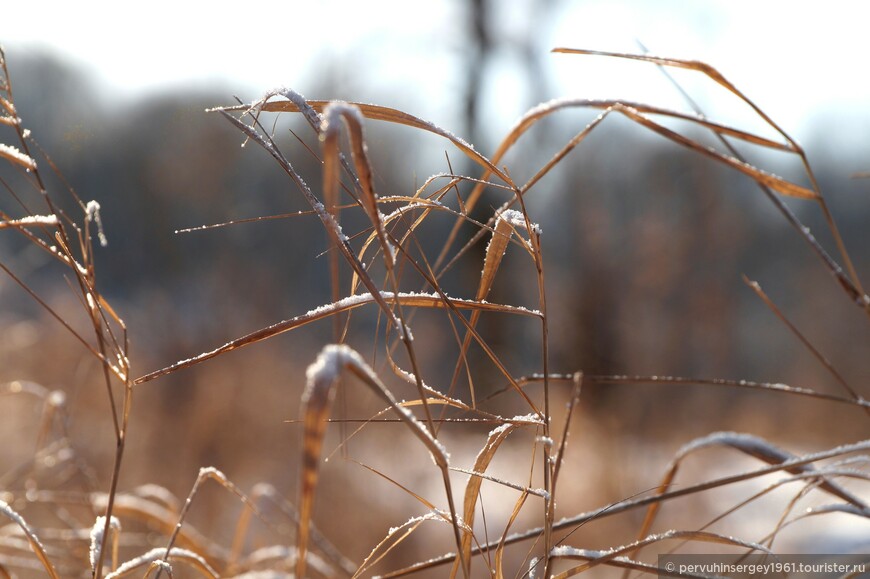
851	285
555	464
751	446
70	243
626	107
181	534
329	135
393	539
606	379
472	489
628	505
409	299
756	287
776	183
381	113
495	250
322	376
340	241
616	556
498	563
35	545
813	483
13	155
155	560
695	65
533	116
97	542
517	487
761	449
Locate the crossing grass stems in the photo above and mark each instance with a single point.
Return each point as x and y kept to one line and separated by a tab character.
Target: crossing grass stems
383	266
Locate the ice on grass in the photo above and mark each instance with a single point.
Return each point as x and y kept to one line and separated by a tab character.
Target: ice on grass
97	537
517	219
92	304
328	365
13	155
92	209
92	215
8	105
12	514
13	121
533	564
531	419
213	472
505	483
403	330
745	442
567	551
30	220
336	109
157	556
430	516
411	378
330	222
327	368
840	508
365	297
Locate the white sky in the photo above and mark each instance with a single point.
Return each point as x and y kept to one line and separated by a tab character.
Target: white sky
795	59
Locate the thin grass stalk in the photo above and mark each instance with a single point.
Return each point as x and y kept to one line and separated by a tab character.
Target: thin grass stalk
610	556
615	379
332	228
32	539
205	474
85	281
630	504
756	287
633	111
322	376
358	300
329	135
851	286
492	260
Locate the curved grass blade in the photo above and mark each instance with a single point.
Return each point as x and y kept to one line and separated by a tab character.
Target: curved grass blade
317	398
32	539
419	300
